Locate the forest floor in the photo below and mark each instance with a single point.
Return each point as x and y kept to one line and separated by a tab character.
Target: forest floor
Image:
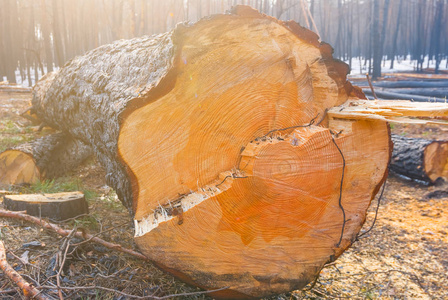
404	256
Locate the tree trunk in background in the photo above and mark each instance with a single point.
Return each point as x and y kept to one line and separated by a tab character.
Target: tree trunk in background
187	130
57	38
8	43
436	30
77	26
395	37
385	25
420	37
46	37
3	51
376	40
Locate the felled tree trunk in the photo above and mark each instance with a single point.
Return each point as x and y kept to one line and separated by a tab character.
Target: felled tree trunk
215	136
421	159
48	157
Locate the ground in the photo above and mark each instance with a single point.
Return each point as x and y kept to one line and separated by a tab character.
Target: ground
404	256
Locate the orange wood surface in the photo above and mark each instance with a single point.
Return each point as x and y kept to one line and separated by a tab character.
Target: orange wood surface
219	201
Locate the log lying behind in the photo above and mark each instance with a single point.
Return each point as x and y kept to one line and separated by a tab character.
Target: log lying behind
209	135
429	92
416	76
421	159
57	206
47	157
402	96
412	84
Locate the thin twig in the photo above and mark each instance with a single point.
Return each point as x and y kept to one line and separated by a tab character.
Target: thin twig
99	233
65	245
8	291
371	86
70	219
63	232
21	261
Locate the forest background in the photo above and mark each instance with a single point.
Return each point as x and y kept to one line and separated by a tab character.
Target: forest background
38	36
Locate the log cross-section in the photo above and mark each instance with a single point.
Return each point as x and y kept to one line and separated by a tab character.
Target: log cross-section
420	159
208	133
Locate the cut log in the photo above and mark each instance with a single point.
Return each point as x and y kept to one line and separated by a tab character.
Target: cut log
430	92
421	159
416	75
412	84
402	96
215	137
58	206
48	157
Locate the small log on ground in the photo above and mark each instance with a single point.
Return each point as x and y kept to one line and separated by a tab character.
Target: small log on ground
421	159
57	206
48	157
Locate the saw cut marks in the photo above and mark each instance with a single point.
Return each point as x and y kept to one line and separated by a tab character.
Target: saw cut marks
280	217
17	167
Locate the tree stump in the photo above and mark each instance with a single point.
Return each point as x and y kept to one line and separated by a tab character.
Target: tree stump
57	206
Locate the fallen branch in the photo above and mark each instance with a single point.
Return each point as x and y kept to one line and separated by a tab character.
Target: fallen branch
63	232
27	289
371	86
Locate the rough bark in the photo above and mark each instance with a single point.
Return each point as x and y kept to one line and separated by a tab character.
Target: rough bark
421	159
209	136
59	206
48	157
